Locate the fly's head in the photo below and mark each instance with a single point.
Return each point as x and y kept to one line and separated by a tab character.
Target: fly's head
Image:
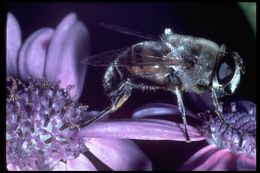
227	72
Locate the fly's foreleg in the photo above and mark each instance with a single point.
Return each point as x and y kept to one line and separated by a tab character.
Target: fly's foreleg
217	106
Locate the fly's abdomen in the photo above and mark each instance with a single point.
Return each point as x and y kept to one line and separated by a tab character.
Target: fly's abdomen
145	61
111	79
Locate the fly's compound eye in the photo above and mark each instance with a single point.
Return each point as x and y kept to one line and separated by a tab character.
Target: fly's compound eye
226	68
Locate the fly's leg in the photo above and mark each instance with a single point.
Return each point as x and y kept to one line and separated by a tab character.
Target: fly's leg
218	110
182	111
118	97
218	107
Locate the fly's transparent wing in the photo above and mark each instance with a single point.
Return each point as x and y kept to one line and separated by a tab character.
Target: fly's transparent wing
128	31
103	59
150	60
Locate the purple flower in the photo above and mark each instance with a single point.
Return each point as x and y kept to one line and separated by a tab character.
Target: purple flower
55	54
43	119
230	147
43	126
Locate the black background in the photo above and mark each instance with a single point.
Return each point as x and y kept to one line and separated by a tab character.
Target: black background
219	22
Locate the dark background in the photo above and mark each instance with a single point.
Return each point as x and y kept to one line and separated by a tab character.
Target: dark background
219	22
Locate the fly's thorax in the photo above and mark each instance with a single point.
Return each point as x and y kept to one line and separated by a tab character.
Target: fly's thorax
197	58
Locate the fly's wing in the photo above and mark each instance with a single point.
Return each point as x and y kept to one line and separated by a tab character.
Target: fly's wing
106	58
160	61
103	59
128	31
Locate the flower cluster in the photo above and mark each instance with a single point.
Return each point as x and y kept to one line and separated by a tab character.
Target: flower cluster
42	124
238	135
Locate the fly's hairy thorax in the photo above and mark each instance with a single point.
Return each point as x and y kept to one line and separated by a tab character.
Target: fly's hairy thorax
198	58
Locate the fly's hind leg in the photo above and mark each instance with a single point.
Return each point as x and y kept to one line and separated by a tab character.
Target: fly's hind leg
118	97
182	111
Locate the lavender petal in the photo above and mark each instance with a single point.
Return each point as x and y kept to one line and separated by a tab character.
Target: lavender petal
81	163
13	43
145	129
198	158
241	105
221	160
32	57
119	154
70	44
245	163
12	167
200	102
61	166
159	109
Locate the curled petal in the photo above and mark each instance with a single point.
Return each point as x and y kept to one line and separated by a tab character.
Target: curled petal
200	102
32	57
119	154
13	43
222	160
70	44
242	105
159	109
199	157
246	163
12	167
145	129
211	158
81	163
61	166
